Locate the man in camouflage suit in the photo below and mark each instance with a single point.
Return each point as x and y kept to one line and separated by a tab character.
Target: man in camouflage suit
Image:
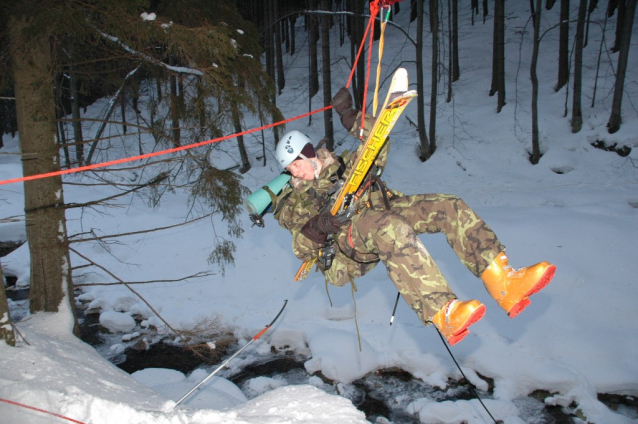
386	228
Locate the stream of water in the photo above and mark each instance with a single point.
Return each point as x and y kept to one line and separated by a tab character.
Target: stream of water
383	396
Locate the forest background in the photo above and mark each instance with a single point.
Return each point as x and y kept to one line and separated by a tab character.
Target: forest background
205	75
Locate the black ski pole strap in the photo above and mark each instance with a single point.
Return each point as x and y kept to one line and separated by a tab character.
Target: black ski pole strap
342	167
384	193
280	204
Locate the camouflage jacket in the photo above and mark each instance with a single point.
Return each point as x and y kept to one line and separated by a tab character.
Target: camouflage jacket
303	199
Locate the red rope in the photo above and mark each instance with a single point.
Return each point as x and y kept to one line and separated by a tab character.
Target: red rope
373	13
363	41
158	153
40	410
374	10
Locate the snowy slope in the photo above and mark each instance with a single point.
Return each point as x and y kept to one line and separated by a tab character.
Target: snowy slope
577	209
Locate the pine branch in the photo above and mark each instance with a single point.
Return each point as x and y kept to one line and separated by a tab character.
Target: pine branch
200	274
138	232
154	181
147	58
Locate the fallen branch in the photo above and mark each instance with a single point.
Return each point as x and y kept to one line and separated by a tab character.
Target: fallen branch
128	287
109	111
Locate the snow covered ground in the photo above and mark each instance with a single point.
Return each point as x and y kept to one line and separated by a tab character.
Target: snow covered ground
578	209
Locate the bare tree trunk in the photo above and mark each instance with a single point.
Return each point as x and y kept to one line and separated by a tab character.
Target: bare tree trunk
245	163
3	119
285	32
456	71
500	18
6	326
434	26
577	114
612	5
475	9
563	46
450	48
281	79
620	25
200	106
61	126
293	23
615	119
495	49
175	130
359	25
485	10
158	88
536	152
268	34
498	55
77	124
313	30
600	53
423	138
269	20
342	25
327	80
123	110
43	198
592	6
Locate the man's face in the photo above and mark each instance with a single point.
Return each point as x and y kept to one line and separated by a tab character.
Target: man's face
301	169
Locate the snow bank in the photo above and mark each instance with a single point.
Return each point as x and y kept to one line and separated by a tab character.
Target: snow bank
58	373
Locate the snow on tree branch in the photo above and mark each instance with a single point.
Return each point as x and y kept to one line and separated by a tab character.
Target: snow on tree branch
144	56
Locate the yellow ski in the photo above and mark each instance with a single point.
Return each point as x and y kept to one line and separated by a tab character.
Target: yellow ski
396	101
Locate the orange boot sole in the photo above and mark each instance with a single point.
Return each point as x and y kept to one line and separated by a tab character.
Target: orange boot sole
454	319
463	331
520	306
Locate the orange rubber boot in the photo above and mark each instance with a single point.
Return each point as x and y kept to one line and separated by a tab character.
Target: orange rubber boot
456	316
511	288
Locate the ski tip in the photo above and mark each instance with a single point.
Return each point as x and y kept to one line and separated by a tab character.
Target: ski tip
401	72
400	80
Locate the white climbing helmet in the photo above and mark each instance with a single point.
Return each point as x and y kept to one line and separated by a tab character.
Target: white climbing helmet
290	146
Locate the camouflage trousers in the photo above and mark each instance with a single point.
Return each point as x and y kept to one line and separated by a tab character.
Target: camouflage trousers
391	236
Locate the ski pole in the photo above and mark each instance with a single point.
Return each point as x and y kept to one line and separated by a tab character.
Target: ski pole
258	335
396	302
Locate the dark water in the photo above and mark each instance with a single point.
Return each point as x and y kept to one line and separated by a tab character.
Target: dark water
383	395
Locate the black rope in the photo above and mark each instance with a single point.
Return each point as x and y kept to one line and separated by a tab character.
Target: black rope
463	374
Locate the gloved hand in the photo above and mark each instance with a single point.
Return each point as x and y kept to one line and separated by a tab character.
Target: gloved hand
342	104
342	101
319	226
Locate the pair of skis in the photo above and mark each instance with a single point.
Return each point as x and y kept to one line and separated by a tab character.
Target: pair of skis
396	100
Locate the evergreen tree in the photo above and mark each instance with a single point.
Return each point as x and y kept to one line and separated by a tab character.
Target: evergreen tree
205	46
